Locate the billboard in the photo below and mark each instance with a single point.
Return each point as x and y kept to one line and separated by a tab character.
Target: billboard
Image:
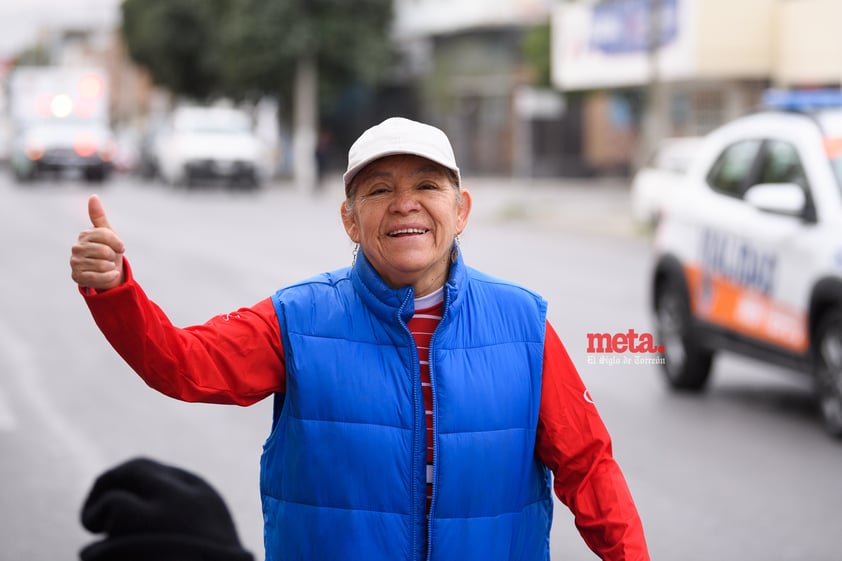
610	44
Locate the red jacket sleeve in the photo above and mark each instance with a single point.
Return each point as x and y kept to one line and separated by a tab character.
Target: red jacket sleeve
573	442
233	358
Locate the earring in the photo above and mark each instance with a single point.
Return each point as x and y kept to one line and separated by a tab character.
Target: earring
354	255
454	252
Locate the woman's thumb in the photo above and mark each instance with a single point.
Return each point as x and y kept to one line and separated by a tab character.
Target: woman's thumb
96	212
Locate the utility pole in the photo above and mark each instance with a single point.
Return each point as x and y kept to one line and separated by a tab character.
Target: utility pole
655	115
305	123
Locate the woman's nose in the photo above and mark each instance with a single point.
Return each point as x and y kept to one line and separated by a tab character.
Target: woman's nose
404	200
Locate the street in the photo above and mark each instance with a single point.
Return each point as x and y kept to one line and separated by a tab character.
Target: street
741	473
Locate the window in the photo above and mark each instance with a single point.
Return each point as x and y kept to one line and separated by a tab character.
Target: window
732	169
781	164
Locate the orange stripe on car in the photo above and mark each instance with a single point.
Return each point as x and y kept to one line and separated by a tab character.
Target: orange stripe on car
723	302
833	147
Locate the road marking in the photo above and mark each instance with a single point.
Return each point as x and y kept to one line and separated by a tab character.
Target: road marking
7	417
25	370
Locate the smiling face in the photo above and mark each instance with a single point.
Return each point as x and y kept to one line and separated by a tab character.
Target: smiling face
405	212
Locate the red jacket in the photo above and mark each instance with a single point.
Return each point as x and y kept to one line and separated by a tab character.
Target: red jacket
237	358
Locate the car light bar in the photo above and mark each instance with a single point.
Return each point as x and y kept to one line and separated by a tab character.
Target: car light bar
802	100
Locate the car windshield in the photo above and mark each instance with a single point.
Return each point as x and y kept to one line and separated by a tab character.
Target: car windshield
212	121
836	164
66	128
831	124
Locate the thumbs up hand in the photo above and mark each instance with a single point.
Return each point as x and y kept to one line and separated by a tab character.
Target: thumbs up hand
96	259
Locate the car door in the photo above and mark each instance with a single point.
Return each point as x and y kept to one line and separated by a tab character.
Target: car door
750	258
782	320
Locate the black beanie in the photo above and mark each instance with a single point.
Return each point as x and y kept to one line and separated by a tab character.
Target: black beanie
150	511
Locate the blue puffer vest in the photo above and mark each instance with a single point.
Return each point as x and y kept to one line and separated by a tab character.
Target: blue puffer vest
343	471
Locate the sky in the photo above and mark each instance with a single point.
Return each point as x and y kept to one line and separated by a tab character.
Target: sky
21	20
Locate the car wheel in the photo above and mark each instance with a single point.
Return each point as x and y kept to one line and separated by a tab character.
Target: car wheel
685	363
828	370
247	181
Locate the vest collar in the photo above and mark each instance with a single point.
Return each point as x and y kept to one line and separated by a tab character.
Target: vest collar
388	303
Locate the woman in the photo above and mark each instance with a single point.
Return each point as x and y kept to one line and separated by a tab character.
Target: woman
421	406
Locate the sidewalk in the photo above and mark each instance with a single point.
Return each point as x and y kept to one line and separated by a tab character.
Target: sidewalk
591	206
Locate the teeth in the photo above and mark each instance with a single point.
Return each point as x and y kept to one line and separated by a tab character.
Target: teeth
407	231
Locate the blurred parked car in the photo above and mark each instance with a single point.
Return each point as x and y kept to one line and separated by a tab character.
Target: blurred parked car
662	174
209	144
749	257
61	146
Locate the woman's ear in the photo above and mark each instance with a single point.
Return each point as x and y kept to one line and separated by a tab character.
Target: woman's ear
349	222
463	211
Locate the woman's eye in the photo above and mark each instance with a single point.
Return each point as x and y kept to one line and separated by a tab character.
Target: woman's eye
377	191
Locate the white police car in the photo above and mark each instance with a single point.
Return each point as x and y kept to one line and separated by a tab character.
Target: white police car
749	250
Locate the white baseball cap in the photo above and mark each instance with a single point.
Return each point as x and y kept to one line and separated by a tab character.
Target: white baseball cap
398	135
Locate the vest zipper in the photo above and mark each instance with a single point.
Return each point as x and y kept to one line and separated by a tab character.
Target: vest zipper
416	395
431	360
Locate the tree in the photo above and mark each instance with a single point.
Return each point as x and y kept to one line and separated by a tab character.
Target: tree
248	48
301	46
175	42
36	55
536	51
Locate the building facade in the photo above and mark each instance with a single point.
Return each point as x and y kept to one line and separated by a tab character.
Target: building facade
466	60
661	68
